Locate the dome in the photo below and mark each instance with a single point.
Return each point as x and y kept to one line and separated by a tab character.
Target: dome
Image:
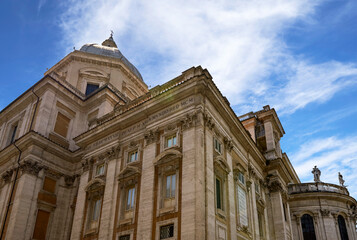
109	49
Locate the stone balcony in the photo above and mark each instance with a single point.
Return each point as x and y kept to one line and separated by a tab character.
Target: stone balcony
316	187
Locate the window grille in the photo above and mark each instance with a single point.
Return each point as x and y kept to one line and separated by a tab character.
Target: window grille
166	231
124	237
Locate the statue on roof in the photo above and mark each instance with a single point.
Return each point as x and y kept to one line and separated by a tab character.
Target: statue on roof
317	174
340	179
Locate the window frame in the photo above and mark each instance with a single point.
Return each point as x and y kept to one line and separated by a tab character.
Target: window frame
69	128
13	132
304	222
92	84
240	183
172	187
169	133
100	166
172	137
167	222
217	145
134	153
93	224
132	194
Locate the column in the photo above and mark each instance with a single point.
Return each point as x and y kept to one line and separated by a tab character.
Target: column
145	213
80	207
109	201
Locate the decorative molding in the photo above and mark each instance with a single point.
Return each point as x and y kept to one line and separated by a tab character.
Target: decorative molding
95	185
31	167
220	162
86	164
128	172
325	212
6	176
167	155
251	171
209	121
189	121
228	143
275	186
69	180
151	136
52	173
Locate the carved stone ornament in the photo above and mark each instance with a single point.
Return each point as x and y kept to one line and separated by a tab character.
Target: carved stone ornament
228	144
151	136
85	164
209	121
251	171
6	176
69	180
275	186
31	167
189	121
245	229
325	212
109	154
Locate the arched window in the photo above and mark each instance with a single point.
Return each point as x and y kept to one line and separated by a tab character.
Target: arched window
342	227
308	230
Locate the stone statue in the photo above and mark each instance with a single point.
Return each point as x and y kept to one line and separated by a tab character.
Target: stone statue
316	173
340	178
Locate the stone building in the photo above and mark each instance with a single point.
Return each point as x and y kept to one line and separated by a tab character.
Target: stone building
89	152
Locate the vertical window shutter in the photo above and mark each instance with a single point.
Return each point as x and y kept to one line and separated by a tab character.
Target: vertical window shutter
62	123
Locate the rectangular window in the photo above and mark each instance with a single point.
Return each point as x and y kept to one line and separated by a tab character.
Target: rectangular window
167	231
13	133
91	88
130	200
171	141
41	225
241	178
100	169
219	194
170	186
242	206
124	237
217	146
133	156
96	210
49	185
62	124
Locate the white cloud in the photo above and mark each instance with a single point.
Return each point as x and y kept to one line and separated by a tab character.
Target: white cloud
240	42
331	155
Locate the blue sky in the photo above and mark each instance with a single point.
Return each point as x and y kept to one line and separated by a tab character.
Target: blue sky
298	56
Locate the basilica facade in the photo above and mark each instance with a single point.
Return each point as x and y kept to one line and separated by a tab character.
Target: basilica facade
90	152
